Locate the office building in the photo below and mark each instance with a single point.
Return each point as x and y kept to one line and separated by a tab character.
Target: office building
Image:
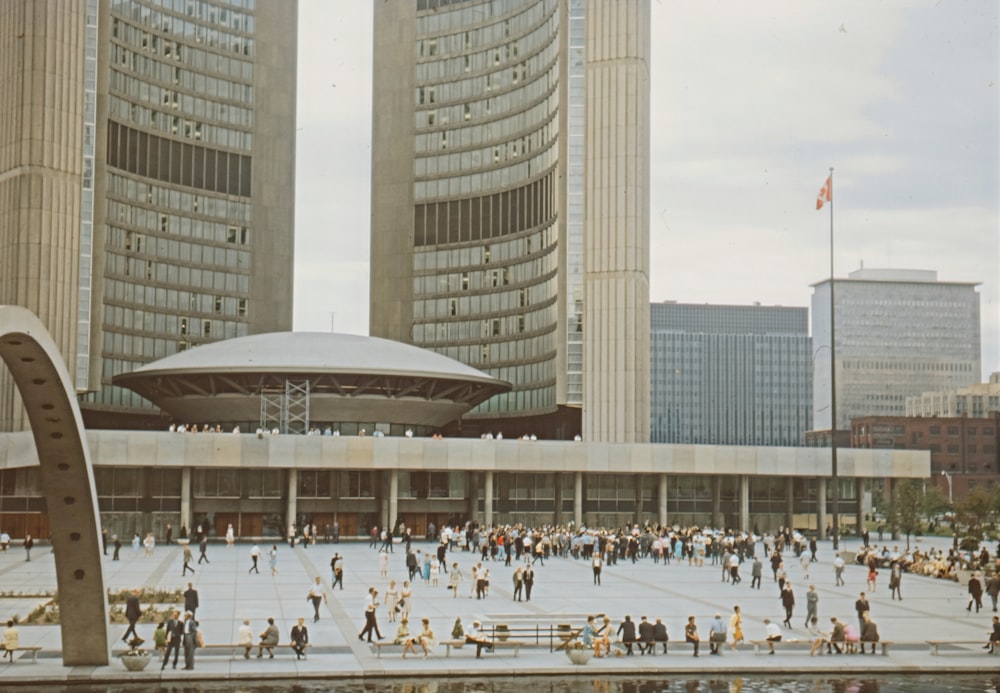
147	181
730	375
510	204
981	399
899	333
965	450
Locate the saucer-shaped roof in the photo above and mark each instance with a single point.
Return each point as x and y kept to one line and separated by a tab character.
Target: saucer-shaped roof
350	378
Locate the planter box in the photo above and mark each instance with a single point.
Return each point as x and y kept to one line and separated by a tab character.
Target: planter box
136	662
579	656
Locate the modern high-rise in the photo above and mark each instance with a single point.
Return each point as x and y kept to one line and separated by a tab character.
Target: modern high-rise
730	375
147	154
510	203
899	333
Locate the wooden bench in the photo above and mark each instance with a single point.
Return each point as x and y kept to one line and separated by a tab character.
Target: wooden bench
238	650
796	645
493	646
33	649
959	644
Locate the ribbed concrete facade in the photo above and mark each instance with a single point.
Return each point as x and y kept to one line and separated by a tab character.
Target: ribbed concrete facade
616	279
147	168
41	104
484	122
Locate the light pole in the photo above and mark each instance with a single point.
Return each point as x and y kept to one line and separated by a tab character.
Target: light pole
947	476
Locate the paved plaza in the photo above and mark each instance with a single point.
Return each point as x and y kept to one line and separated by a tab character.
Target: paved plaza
564	590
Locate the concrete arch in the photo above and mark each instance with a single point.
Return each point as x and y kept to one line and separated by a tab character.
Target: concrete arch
67	481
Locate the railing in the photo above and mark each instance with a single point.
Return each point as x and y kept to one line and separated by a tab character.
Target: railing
554	635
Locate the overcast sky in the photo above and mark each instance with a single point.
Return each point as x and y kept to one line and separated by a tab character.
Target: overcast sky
752	103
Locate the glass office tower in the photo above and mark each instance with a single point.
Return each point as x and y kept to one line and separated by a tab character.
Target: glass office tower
504	234
148	181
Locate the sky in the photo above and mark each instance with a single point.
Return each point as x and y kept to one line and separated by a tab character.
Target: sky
752	104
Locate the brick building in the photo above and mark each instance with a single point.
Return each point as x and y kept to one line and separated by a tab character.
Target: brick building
965	452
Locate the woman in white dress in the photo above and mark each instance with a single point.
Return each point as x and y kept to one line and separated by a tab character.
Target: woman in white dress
230	537
392	600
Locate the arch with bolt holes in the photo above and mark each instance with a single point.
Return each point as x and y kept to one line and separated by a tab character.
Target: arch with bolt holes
67	482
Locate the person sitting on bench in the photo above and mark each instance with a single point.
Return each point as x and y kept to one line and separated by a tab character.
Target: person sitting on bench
472	635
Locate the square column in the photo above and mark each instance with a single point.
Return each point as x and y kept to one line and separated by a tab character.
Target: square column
185	498
661	496
292	507
488	499
821	507
578	499
744	503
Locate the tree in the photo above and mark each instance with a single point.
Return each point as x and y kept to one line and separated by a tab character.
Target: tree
976	511
906	508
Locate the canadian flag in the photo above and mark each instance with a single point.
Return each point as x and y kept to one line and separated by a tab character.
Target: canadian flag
825	193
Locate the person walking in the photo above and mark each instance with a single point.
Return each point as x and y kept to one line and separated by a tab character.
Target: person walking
337	566
371	624
117	543
254	557
188	557
993	588
812	605
317	595
191	600
788	601
202	548
736	626
175	635
975	589
133	610
28	544
596	563
994	639
895	581
529	582
272	559
300	638
838	570
454	579
756	571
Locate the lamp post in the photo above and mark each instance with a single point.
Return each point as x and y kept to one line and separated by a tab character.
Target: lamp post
947	476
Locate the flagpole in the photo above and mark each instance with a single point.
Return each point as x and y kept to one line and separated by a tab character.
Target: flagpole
835	499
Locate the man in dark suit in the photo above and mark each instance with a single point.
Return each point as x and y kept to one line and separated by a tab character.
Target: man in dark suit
660	634
191	599
175	632
646	645
626	632
133	610
300	638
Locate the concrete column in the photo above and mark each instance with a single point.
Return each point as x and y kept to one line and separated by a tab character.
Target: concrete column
789	501
859	514
745	503
821	507
637	494
616	233
578	498
471	485
393	498
185	499
716	501
292	508
557	515
661	496
488	498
